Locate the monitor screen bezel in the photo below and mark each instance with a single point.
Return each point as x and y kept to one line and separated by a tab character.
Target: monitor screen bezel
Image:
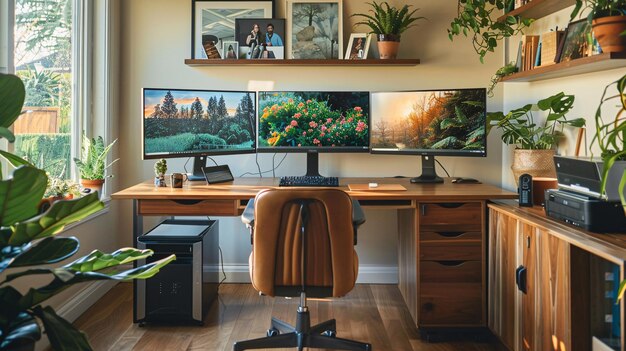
433	152
252	150
321	149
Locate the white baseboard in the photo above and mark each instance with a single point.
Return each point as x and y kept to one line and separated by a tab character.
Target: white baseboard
368	274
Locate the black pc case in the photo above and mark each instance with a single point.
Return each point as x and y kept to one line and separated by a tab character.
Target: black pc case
183	290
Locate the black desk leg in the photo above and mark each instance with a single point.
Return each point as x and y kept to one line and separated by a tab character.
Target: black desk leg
137	232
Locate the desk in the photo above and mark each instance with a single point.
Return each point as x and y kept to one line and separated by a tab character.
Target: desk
441	229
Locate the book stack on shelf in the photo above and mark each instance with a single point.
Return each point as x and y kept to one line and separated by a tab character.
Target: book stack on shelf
527	57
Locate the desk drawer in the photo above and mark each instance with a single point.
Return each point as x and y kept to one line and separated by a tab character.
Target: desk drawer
445	237
188	207
468	214
461	251
451	304
451	272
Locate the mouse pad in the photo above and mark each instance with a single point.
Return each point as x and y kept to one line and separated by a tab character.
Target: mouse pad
380	187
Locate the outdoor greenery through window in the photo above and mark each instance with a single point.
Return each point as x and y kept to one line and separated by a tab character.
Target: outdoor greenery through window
43	60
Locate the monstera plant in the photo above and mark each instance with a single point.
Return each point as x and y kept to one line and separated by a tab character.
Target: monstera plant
28	246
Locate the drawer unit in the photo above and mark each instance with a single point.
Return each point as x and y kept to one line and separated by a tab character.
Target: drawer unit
451	215
451	272
450	304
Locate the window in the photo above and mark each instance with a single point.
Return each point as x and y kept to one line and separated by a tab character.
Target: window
43	57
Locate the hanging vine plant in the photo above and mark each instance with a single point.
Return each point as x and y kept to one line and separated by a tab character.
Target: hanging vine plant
479	19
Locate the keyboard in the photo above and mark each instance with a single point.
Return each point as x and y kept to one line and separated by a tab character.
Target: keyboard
309	181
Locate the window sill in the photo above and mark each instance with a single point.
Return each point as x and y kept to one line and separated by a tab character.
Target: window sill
105	210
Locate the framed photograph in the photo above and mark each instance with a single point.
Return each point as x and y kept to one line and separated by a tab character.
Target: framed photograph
315	29
261	37
214	21
358	46
230	51
577	42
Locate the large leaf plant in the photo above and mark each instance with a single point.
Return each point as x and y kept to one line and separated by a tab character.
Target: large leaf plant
29	247
520	128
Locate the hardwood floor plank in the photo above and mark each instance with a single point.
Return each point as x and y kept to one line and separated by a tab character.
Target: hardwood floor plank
372	313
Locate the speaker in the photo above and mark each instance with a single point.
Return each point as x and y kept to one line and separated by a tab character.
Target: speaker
526	190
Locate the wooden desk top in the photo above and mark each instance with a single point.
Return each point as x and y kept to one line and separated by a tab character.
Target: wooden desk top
247	188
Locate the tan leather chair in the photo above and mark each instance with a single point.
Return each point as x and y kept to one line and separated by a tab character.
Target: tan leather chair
303	245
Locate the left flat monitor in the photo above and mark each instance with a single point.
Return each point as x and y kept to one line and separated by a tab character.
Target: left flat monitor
194	123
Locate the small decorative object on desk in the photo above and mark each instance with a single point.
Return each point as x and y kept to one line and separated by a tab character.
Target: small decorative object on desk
159	171
177	180
388	23
92	163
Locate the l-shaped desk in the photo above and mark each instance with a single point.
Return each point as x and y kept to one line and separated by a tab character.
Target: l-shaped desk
442	232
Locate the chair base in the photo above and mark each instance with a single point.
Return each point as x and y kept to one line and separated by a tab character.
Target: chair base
281	335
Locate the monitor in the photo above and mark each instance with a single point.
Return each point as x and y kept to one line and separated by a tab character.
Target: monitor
198	123
313	122
430	123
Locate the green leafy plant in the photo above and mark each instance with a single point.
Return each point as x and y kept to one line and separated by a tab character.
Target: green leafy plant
58	187
387	19
503	71
160	167
599	8
519	127
28	244
92	164
479	19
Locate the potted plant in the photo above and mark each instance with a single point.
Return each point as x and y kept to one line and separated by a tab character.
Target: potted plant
608	22
92	164
479	19
388	23
159	171
58	189
28	243
535	141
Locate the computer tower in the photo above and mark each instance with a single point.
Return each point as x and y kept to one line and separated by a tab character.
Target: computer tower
184	289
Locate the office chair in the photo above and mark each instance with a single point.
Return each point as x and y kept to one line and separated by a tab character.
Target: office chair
302	245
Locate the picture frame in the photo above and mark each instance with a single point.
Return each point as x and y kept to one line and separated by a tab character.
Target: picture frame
230	50
358	46
577	41
214	20
271	46
311	36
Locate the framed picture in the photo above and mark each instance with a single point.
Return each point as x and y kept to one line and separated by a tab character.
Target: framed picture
214	21
261	37
358	46
315	29
577	42
230	51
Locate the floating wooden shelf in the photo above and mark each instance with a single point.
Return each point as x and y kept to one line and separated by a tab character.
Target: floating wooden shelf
589	64
368	62
538	8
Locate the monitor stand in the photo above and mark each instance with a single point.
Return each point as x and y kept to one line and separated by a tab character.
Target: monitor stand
199	162
429	173
312	164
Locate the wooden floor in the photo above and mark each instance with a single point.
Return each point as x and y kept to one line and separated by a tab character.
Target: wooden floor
372	313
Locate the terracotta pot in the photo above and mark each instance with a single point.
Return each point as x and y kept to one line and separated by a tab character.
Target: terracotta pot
537	163
93	185
607	31
388	46
47	202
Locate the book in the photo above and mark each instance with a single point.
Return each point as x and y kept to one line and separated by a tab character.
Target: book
538	56
518	62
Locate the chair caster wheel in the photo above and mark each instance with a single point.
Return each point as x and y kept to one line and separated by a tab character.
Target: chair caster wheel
330	333
272	332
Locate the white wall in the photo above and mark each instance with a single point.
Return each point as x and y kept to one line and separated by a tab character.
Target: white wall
156	40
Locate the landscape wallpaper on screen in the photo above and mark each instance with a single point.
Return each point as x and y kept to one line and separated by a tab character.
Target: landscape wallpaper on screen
180	121
313	119
445	120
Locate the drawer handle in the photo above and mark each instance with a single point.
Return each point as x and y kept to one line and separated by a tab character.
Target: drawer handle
451	263
187	202
450	234
521	279
451	204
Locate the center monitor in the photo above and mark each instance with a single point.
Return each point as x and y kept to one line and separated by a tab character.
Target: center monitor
313	122
430	123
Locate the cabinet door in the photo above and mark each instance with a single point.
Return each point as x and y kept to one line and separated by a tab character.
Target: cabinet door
502	265
530	328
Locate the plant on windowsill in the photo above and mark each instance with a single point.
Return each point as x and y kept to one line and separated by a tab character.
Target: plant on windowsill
388	23
159	171
28	244
535	142
92	164
608	22
58	189
479	19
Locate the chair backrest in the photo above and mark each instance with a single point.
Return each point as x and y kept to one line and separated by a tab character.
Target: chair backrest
278	263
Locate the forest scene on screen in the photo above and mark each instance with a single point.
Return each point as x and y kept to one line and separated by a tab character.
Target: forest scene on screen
177	121
320	119
446	120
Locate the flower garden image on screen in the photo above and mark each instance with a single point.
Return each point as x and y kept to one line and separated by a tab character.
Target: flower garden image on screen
313	119
187	122
439	120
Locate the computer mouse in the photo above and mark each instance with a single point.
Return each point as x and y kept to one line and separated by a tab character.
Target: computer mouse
465	181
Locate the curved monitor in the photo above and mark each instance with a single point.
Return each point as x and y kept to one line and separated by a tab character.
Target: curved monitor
194	123
434	123
321	121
